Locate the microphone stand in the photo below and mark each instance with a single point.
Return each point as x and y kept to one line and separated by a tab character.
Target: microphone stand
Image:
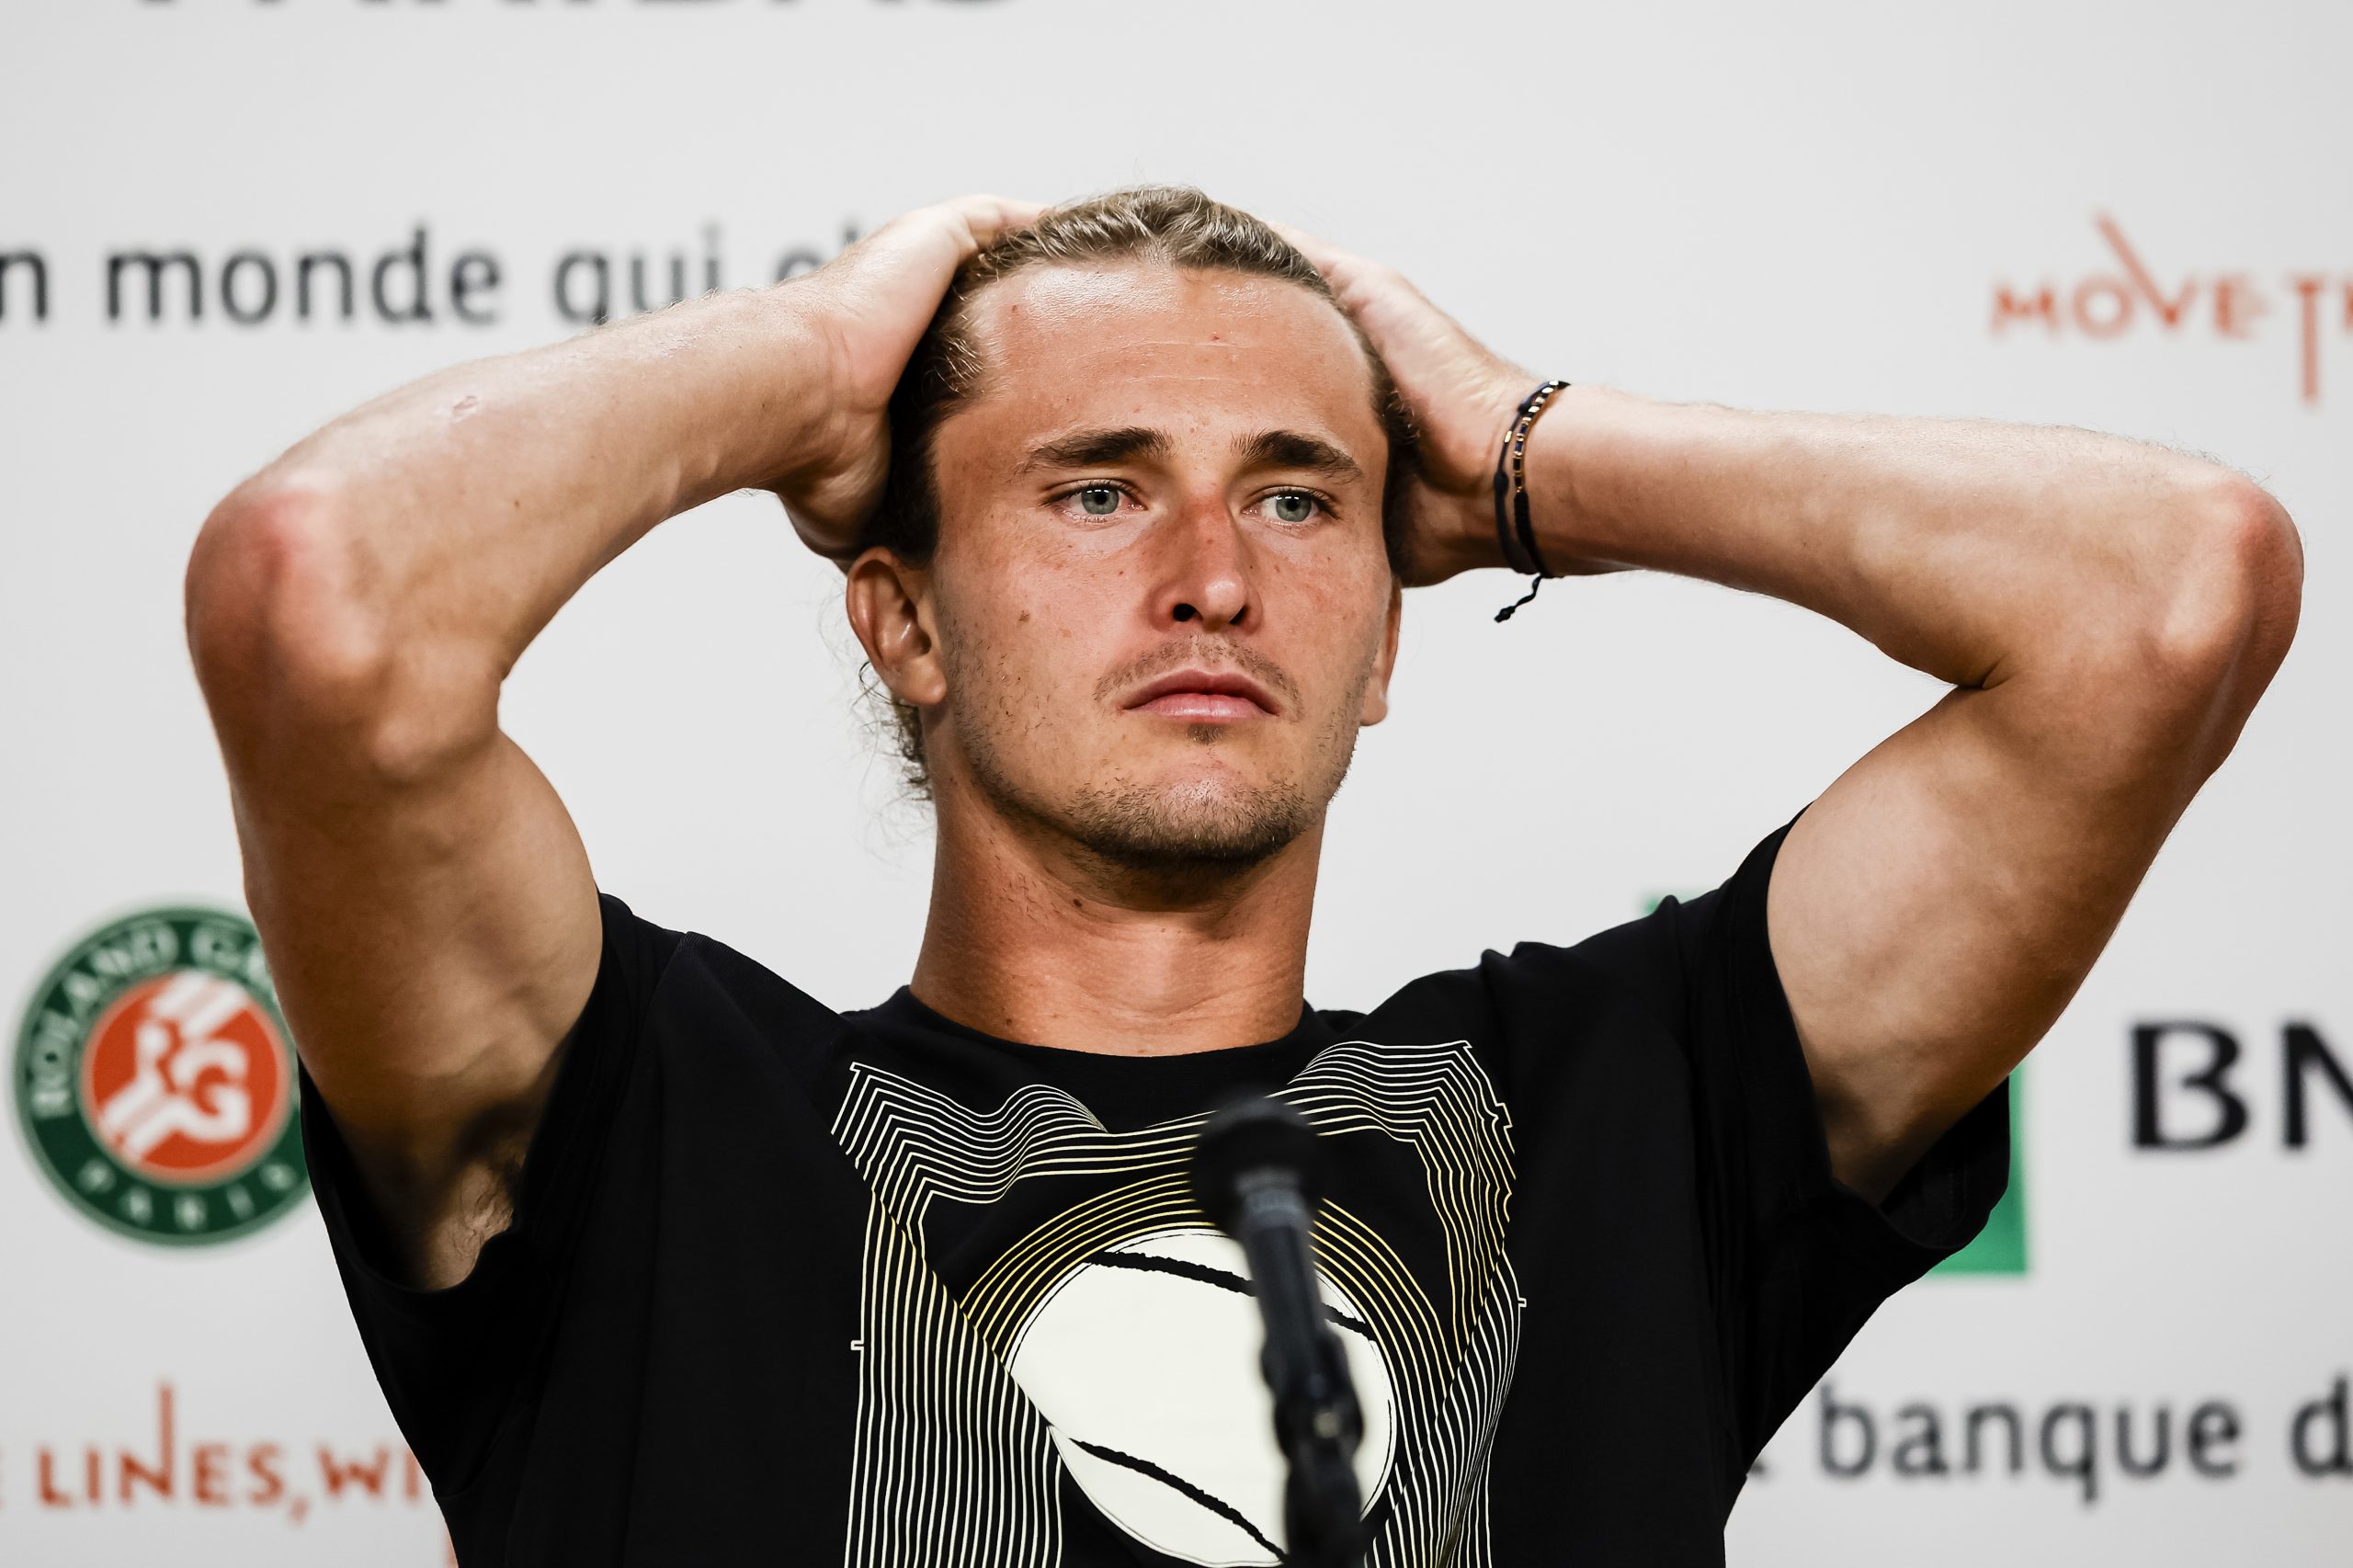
1256	1172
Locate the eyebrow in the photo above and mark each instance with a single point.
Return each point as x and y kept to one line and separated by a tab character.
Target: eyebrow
1107	447
1098	449
1294	448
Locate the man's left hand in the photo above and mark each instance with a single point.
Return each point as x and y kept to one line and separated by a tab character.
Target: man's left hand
1463	396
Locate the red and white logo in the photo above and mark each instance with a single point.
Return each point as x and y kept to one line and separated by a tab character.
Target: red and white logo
184	1079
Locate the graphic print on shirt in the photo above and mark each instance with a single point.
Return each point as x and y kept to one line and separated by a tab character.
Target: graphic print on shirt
1117	1341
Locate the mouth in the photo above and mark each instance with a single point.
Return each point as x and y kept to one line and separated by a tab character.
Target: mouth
1203	697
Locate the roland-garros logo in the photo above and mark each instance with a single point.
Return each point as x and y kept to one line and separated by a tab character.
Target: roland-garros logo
155	1082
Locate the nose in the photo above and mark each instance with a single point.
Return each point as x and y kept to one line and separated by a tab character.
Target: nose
1205	577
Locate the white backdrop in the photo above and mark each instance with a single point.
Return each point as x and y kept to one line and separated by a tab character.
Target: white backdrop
1817	208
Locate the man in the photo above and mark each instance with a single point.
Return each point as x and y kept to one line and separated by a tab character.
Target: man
662	1262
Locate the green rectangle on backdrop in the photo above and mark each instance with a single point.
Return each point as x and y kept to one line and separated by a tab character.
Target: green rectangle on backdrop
2000	1247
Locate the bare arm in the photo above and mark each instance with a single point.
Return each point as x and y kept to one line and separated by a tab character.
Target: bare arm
423	898
2108	612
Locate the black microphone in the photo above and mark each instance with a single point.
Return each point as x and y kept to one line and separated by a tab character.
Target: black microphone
1259	1172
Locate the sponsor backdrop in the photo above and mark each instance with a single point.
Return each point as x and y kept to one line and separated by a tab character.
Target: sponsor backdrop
222	221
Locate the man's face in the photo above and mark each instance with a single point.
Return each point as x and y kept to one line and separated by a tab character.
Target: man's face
1160	601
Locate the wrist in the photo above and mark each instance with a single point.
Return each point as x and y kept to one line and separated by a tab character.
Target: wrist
1557	459
1453	496
795	414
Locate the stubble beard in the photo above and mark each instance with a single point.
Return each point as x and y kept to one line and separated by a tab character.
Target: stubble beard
1162	830
1188	829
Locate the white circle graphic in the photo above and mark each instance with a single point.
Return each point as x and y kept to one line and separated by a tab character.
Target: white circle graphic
1144	1360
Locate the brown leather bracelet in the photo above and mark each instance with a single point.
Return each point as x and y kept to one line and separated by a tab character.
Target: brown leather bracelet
1513	530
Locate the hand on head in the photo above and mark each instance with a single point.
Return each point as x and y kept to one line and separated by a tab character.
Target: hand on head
875	300
1460	393
871	304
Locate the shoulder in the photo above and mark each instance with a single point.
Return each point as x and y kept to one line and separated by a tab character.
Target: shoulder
1647	982
690	989
1628	971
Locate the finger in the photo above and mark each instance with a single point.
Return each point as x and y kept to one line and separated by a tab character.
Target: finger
988	218
1338	267
937	239
1316	250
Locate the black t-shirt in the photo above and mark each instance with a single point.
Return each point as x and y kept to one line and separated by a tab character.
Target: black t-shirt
788	1286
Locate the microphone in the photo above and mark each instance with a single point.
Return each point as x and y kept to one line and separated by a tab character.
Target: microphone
1259	1172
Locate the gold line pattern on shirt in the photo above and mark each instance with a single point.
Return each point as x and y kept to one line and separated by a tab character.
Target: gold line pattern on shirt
954	1464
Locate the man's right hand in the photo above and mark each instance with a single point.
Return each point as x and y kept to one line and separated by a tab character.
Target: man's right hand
870	306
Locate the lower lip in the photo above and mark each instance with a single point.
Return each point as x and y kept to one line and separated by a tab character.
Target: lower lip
1202	707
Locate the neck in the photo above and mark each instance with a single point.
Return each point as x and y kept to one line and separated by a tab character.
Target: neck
1032	938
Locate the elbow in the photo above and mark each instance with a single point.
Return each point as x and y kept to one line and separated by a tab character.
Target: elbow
273	612
2224	615
293	646
2231	608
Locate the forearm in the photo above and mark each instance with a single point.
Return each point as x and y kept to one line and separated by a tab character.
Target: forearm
1964	547
438	528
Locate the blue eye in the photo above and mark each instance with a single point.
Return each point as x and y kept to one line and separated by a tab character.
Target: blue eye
1294	506
1098	500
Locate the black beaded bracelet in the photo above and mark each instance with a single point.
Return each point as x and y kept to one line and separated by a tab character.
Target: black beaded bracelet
1514	531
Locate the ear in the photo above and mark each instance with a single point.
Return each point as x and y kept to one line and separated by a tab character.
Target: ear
1376	690
889	608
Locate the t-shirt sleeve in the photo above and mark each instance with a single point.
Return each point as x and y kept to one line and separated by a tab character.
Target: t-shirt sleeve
1799	1260
451	1360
